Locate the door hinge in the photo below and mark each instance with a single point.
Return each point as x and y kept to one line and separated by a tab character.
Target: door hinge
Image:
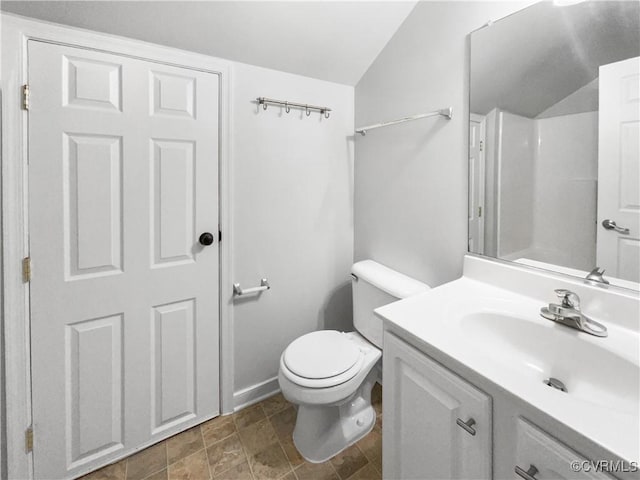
26	269
481	145
479	211
219	235
28	440
25	97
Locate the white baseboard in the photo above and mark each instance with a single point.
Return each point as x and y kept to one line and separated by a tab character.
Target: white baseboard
258	392
253	394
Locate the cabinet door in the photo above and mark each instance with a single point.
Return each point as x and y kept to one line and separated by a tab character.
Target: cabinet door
422	403
550	459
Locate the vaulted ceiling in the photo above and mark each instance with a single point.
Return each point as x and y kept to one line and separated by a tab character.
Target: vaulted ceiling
329	40
535	58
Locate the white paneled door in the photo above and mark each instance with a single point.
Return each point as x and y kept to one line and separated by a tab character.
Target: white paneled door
618	238
123	181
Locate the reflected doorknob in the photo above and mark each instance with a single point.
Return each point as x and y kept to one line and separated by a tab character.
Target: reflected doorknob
206	239
611	225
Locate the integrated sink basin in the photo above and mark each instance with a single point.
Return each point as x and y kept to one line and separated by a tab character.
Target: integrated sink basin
489	321
540	349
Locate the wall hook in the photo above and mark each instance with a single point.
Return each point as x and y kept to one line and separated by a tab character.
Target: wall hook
308	112
264	105
326	114
287	108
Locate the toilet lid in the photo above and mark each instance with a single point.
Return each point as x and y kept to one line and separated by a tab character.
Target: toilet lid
322	354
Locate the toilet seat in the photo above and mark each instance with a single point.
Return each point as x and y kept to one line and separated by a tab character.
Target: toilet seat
322	359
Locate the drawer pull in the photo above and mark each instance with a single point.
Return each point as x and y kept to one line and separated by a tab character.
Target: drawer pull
467	426
529	474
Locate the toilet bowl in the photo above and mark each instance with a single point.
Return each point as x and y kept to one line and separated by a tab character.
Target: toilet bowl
334	404
330	374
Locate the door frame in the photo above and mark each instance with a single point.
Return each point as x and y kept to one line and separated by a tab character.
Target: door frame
482	120
16	31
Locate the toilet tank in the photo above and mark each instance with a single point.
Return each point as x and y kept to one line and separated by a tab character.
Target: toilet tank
375	285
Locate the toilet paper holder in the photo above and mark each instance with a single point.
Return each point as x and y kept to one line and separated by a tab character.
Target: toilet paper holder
238	291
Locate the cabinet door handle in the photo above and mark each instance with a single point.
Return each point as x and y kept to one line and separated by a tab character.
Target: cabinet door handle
467	426
529	474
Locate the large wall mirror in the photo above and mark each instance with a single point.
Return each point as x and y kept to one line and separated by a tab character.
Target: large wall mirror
554	147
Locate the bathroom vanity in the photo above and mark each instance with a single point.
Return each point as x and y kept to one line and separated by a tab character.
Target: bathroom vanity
479	385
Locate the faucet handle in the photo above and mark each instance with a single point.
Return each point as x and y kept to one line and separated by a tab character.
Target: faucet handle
569	299
597	275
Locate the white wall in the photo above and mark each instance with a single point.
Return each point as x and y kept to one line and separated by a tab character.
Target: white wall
411	179
292	215
335	41
565	190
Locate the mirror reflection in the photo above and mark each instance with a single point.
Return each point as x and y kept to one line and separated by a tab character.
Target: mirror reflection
554	136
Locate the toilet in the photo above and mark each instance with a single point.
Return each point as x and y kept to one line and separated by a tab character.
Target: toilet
330	374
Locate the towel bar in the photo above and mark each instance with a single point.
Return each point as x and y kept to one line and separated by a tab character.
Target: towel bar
238	291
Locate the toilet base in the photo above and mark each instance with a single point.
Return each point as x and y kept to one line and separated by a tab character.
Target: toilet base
321	432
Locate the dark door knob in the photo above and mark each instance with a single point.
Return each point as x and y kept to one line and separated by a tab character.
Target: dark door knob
206	239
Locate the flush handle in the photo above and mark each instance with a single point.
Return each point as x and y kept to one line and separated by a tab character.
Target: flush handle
529	474
611	225
467	426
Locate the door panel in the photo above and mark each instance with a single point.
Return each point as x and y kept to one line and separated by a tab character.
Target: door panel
173	201
95	389
422	404
93	198
172	349
173	95
123	165
91	83
619	169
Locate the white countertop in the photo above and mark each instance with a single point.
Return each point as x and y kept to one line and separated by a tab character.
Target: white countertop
499	334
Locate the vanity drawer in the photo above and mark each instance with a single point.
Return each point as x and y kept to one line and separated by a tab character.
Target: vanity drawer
542	457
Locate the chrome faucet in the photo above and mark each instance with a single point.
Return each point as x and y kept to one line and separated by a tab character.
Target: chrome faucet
568	313
597	275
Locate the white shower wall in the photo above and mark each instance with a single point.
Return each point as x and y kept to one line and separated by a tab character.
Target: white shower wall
546	173
516	164
566	174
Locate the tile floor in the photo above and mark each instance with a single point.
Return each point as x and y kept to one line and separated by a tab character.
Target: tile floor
252	444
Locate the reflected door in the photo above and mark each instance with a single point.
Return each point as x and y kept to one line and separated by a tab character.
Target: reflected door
476	183
618	248
123	162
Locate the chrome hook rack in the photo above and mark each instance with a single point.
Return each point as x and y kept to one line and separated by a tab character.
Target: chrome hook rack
264	101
